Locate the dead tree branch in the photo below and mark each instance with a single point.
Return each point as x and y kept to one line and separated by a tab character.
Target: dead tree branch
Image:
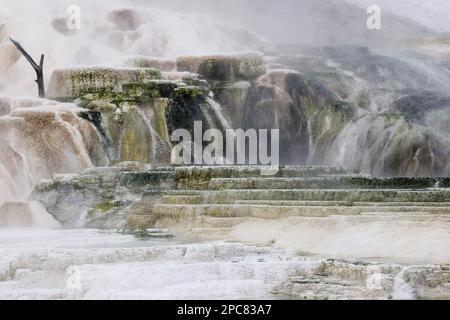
39	68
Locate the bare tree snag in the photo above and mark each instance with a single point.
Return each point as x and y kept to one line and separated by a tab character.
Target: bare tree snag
38	68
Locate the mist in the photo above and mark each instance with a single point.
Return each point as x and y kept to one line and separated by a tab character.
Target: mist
173	28
359	115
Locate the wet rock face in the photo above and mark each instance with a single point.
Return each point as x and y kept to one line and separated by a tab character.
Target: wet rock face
340	279
43	137
185	108
127	106
281	99
416	107
384	111
387	145
326	124
100	197
410	138
134	110
324	101
309	95
132	131
322	116
268	107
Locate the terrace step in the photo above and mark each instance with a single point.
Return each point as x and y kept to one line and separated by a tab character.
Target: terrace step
340	203
354	195
275	183
182	199
324	182
422	197
434	206
295	203
408	214
211	222
210	172
274	212
399	218
404	204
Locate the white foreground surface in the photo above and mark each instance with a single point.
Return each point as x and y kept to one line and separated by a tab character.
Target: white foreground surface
92	264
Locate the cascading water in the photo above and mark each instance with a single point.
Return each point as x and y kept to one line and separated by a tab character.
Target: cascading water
386	144
40	138
154	150
382	112
106	37
217	108
402	291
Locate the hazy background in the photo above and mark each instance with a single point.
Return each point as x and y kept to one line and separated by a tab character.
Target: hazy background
432	13
178	27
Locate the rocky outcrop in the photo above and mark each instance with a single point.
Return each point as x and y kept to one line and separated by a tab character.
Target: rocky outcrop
410	138
40	138
309	95
131	131
326	100
268	107
76	82
377	117
99	197
128	107
136	114
242	66
319	210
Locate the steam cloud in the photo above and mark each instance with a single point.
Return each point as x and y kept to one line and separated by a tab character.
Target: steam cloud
171	28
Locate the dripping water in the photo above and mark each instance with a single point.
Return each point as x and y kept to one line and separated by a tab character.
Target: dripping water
217	108
153	134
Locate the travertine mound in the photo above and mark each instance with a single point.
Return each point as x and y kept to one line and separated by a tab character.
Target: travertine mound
74	82
241	66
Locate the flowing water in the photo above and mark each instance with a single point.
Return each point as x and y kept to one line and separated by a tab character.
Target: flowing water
40	138
318	256
217	108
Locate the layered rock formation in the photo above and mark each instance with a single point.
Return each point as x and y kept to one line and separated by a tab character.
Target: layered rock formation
121	267
342	106
331	207
137	109
95	157
41	138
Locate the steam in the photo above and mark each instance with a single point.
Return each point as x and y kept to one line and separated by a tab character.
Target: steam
176	27
346	237
107	34
430	13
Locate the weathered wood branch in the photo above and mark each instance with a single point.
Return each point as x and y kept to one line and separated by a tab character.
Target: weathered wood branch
39	68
